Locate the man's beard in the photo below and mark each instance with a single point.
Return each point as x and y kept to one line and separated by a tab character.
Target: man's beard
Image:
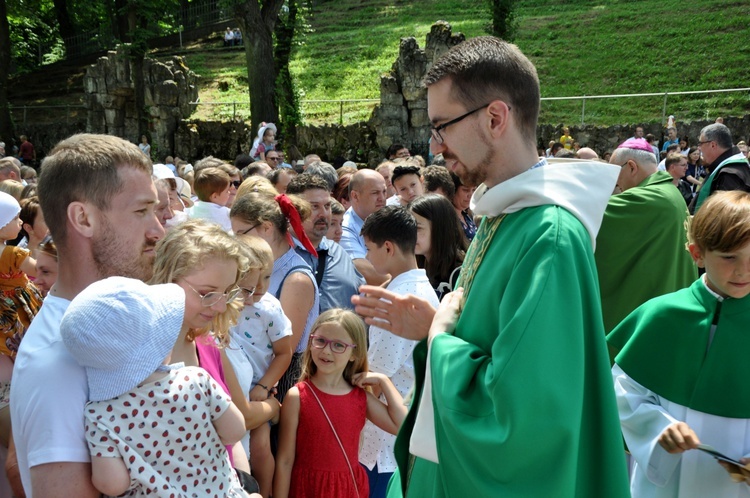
113	257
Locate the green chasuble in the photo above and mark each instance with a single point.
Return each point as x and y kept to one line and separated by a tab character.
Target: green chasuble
641	248
667	347
522	391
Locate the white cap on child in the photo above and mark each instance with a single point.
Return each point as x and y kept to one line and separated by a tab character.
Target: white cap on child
9	208
121	330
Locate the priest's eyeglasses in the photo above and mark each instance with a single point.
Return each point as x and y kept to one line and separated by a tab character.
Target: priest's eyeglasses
337	347
437	129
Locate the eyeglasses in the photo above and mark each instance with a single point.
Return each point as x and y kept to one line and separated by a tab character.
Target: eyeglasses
273	158
245	232
337	347
701	142
247	292
437	129
236	183
211	298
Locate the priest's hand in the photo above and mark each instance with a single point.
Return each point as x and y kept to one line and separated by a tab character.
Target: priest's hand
447	313
678	437
406	316
737	473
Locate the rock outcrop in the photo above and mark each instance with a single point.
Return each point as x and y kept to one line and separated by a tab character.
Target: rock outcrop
169	88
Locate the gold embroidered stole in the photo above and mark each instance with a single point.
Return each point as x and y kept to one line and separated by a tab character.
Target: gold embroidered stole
476	252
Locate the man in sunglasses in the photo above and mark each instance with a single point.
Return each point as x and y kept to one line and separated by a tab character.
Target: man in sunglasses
513	392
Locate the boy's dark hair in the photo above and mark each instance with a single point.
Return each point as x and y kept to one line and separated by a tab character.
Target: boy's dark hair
393	149
400	171
242	161
437	177
209	181
302	183
392	223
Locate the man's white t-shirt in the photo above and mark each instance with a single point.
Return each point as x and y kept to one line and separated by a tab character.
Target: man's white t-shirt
47	396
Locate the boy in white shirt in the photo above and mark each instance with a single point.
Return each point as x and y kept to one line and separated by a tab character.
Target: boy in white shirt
390	238
212	188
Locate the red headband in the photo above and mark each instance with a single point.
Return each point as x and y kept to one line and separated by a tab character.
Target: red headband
291	214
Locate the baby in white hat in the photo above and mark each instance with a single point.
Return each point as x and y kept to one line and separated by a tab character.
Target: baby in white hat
151	428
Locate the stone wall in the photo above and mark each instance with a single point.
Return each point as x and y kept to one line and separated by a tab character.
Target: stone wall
401	116
110	98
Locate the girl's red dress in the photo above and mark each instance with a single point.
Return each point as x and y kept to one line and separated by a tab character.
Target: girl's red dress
320	469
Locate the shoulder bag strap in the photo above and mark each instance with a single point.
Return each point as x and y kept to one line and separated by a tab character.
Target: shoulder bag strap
351	471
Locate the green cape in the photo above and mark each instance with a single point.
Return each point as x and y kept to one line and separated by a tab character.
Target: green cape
641	247
664	346
522	390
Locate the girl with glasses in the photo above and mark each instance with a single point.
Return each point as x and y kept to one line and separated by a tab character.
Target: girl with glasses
325	412
208	263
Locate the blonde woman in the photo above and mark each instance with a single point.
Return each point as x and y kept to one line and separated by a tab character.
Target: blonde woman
207	263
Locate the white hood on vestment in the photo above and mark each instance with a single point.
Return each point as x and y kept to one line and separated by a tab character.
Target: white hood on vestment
580	186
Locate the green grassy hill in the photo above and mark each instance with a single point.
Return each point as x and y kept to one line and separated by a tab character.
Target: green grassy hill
586	47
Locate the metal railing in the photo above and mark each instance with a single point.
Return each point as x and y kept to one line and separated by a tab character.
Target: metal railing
26	108
666	95
246	105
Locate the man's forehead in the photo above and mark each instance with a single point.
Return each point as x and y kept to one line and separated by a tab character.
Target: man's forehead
316	195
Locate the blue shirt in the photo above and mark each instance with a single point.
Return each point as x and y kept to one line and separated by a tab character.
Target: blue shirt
351	240
666	144
281	269
341	280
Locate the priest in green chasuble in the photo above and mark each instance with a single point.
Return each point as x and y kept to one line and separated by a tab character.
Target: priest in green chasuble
514	396
641	249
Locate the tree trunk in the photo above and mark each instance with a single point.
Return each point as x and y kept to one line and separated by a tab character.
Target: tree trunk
504	23
286	92
257	24
138	33
67	29
6	121
122	26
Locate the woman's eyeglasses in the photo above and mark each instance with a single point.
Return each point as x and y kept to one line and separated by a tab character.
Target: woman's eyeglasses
337	347
245	232
211	298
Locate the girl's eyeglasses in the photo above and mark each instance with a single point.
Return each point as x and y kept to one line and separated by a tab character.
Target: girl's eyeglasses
247	291
211	298
337	347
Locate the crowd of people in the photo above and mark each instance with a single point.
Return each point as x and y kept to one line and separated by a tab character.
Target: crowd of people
491	324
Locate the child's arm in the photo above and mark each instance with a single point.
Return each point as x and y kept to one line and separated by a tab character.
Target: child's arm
28	266
282	357
230	426
254	413
110	475
287	444
386	416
